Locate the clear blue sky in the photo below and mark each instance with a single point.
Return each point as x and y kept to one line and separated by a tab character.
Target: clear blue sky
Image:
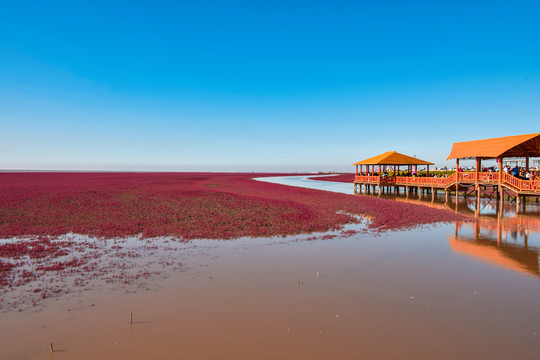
260	85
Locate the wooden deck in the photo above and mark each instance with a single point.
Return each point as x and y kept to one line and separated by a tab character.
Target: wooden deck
455	181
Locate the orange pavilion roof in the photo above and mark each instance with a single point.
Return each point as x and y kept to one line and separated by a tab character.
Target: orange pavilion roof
393	158
508	146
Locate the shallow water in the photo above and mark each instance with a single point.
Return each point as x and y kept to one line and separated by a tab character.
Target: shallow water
302	181
452	291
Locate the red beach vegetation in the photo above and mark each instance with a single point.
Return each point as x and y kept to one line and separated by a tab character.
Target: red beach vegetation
38	208
186	206
346	178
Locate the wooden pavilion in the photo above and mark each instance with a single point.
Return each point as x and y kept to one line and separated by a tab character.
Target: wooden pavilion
519	146
374	173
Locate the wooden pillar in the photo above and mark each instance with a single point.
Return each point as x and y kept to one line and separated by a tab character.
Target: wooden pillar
432	194
478	164
356	170
527	163
407	191
427	171
446	195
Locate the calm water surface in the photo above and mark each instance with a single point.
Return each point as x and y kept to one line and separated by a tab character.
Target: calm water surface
452	291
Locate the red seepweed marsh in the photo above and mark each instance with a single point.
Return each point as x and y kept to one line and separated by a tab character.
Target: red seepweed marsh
301	275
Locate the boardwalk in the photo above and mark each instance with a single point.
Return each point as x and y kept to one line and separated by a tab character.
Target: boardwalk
463	180
488	184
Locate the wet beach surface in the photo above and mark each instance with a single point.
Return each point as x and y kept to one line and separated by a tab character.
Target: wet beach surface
447	291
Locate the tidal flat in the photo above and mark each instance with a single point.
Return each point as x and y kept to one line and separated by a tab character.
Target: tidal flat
467	288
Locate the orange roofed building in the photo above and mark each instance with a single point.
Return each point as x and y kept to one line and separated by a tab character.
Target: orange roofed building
389	158
521	146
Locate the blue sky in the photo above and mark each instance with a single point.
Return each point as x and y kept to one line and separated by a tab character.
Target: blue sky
260	86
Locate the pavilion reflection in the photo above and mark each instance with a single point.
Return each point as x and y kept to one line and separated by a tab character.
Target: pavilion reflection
497	242
499	233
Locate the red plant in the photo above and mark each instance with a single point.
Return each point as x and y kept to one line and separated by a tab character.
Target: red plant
346	178
183	205
37	208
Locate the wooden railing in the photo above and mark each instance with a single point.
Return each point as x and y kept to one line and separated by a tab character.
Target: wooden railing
468	177
530	185
424	181
511	180
368	178
376	179
407	180
482	177
521	185
488	176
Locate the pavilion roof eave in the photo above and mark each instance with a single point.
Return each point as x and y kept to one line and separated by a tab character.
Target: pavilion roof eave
393	158
508	146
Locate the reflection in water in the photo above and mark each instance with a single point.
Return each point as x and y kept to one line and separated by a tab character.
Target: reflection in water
500	234
492	246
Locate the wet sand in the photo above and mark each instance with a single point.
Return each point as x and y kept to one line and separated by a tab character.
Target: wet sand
452	291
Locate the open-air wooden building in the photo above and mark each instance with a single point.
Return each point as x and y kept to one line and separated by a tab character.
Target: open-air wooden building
500	182
519	146
389	160
372	172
